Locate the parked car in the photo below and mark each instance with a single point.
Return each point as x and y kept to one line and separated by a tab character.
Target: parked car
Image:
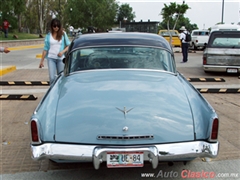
176	42
222	53
120	100
199	39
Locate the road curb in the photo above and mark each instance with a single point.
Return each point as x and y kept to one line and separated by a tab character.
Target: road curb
15	48
7	70
39	56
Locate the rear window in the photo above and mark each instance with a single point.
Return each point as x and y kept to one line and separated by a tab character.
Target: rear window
225	41
200	33
119	57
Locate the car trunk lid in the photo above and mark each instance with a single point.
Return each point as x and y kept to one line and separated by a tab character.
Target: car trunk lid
123	108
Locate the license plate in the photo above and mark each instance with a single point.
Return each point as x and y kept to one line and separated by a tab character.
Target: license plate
124	159
232	70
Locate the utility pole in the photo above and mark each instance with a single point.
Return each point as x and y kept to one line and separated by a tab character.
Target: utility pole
222	11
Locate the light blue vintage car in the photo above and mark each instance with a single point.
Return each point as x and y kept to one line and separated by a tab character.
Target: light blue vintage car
120	100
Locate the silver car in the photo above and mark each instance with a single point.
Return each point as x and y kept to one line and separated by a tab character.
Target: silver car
222	53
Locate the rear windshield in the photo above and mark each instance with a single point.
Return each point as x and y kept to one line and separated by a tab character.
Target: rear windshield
121	57
225	41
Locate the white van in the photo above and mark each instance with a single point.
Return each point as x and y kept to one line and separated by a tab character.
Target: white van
199	38
226	27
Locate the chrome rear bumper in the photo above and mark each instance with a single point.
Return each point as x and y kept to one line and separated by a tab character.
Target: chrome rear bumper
152	153
216	68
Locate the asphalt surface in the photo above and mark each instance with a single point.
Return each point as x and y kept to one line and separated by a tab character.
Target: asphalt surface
178	171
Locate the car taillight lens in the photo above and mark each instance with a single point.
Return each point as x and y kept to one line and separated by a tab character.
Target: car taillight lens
34	131
204	60
214	133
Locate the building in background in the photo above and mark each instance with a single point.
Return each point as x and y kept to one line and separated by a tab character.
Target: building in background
147	26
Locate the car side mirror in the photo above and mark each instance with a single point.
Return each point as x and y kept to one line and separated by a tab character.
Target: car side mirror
64	60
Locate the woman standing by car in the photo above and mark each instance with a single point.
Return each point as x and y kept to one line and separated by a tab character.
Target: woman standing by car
55	45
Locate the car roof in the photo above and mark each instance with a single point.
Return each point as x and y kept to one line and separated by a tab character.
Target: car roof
225	27
225	32
122	38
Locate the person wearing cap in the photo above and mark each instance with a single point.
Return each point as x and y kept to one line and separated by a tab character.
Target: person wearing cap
4	49
184	44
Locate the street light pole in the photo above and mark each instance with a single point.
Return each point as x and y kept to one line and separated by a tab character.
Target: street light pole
222	11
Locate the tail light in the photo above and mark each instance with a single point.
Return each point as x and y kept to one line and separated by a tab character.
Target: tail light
204	60
214	133
34	131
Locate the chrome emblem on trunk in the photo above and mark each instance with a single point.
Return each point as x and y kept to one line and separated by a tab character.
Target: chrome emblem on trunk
125	111
125	128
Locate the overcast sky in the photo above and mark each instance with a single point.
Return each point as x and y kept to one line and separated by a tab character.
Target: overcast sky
204	13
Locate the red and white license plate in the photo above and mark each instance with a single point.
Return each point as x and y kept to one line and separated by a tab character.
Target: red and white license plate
124	159
232	70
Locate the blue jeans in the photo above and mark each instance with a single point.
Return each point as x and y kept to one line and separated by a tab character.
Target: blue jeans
6	32
185	51
55	66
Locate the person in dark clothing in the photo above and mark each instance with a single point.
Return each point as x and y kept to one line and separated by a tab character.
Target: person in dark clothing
184	44
5	27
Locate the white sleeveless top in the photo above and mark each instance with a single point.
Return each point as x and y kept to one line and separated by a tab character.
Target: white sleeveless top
55	46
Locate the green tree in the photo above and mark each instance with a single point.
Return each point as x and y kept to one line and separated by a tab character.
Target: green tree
172	13
85	13
186	22
182	21
125	12
30	18
19	7
36	14
39	13
13	10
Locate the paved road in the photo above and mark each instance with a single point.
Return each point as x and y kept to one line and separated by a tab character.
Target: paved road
15	159
220	170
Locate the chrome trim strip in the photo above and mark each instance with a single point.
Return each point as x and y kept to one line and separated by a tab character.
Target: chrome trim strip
152	153
125	137
122	69
217	68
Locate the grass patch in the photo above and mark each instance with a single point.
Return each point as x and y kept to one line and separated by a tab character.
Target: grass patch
21	36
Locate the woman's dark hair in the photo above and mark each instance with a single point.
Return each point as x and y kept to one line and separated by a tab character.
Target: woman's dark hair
56	22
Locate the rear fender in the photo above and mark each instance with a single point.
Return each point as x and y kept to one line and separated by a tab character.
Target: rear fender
202	112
